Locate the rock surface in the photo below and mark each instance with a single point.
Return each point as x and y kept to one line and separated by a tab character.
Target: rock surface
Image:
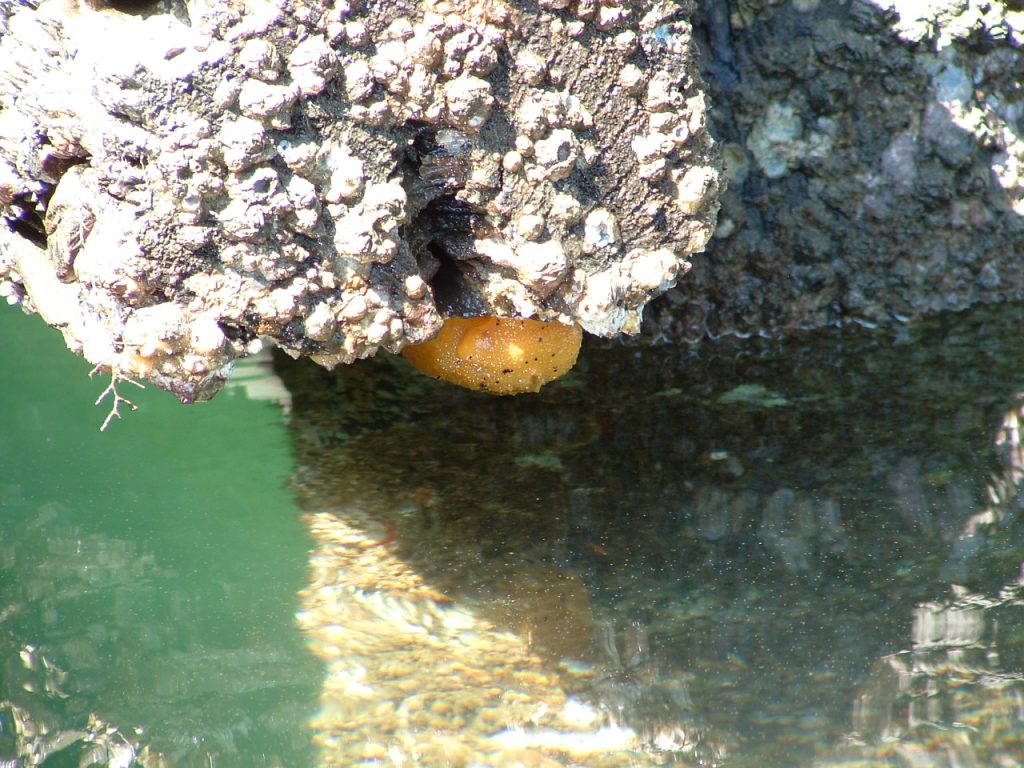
873	154
337	179
184	179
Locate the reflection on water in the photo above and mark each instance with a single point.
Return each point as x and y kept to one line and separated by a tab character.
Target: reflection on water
954	695
766	555
762	554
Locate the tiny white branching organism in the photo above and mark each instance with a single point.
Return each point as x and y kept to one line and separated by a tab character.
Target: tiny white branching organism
111	389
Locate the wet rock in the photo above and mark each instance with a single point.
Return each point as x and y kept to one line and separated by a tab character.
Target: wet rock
873	154
258	168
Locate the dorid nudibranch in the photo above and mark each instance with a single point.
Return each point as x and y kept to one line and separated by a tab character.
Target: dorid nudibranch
500	355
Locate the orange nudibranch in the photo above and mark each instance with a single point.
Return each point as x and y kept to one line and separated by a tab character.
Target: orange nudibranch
500	355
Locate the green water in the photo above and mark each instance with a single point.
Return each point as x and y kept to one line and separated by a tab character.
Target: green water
761	554
153	567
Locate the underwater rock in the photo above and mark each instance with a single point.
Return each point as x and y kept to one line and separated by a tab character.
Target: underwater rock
337	178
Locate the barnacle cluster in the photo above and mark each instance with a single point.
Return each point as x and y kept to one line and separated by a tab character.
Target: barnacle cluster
339	178
569	199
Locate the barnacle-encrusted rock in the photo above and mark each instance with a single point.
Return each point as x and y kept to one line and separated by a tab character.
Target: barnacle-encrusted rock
339	177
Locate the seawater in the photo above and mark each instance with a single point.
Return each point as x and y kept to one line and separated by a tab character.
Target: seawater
758	553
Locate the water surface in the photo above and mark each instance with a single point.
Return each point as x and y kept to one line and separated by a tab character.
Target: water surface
147	574
757	554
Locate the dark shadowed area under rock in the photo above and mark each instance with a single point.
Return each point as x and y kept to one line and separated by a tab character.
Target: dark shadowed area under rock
770	553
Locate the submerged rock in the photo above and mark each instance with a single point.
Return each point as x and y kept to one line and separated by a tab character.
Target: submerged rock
707	551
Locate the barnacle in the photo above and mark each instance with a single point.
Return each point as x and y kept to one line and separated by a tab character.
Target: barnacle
442	157
500	355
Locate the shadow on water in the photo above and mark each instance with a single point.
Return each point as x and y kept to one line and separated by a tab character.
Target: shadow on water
765	554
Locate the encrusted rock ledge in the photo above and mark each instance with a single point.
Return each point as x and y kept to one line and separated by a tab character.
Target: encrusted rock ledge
181	180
